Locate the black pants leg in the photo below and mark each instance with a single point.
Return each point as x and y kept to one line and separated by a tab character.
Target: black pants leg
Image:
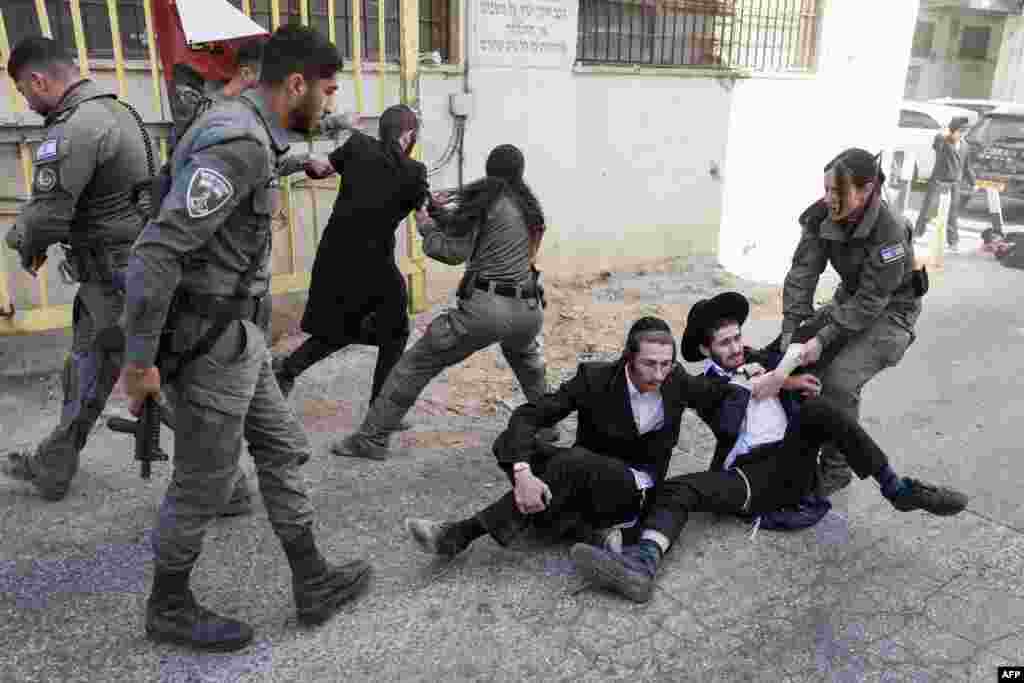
312	351
779	473
677	497
388	353
586	488
391	329
819	422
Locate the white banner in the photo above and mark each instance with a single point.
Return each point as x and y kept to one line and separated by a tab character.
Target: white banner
538	34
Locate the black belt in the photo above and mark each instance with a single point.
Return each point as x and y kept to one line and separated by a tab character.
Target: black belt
514	291
216	306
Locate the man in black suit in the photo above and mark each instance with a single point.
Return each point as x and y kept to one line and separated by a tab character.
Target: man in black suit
629	415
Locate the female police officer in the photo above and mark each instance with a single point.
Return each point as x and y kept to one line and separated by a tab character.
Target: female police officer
869	323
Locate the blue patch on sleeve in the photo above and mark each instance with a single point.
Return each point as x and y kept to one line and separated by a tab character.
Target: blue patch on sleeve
891	253
48	150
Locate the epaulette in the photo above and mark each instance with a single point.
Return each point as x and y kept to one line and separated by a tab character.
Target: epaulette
813	216
63	116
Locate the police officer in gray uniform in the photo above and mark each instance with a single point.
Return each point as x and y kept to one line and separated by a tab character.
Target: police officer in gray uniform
495	230
197	275
869	323
93	153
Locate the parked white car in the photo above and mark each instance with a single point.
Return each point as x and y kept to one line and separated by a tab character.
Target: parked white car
978	106
919	122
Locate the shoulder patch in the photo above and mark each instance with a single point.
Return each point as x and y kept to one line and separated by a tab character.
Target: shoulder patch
46	179
892	253
208	192
48	149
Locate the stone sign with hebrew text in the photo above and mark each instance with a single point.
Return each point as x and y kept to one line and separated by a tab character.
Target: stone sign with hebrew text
524	33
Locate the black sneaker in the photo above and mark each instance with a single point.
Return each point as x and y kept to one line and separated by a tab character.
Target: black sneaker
317	598
619	573
435	538
938	500
183	621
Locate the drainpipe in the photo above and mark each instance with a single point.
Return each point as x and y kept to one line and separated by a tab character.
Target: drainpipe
465	88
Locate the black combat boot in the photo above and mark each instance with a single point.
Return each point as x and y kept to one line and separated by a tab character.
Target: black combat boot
18	465
321	588
174	616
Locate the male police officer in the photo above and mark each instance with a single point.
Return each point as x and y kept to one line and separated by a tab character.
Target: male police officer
209	251
93	153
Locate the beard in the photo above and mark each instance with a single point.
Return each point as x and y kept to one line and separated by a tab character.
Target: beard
306	114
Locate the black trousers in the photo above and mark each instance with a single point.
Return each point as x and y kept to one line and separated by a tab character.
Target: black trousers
315	349
588	491
779	473
592	491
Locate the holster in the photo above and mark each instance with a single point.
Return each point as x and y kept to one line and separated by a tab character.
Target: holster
919	281
221	310
149	194
86	263
538	286
467	285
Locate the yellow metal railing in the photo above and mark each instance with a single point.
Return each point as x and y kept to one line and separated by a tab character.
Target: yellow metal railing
41	315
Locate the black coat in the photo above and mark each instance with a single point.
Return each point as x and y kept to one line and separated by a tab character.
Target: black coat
355	273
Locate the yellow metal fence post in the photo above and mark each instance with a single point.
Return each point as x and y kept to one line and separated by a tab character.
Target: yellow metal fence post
83	52
44	18
357	52
275	14
382	44
6	303
115	34
408	24
154	69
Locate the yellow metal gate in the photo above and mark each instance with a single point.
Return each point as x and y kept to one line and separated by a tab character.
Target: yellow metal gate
25	302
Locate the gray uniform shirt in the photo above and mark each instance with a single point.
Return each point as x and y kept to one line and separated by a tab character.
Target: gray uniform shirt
214	223
503	252
84	171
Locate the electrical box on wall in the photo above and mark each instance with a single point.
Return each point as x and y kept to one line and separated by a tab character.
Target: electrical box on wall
461	104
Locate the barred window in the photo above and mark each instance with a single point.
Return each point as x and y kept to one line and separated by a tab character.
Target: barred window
22	21
765	35
434	24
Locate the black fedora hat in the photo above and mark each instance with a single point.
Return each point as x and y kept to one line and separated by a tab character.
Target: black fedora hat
704	314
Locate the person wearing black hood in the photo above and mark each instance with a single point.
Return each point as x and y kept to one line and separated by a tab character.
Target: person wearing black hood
357	294
869	323
495	228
